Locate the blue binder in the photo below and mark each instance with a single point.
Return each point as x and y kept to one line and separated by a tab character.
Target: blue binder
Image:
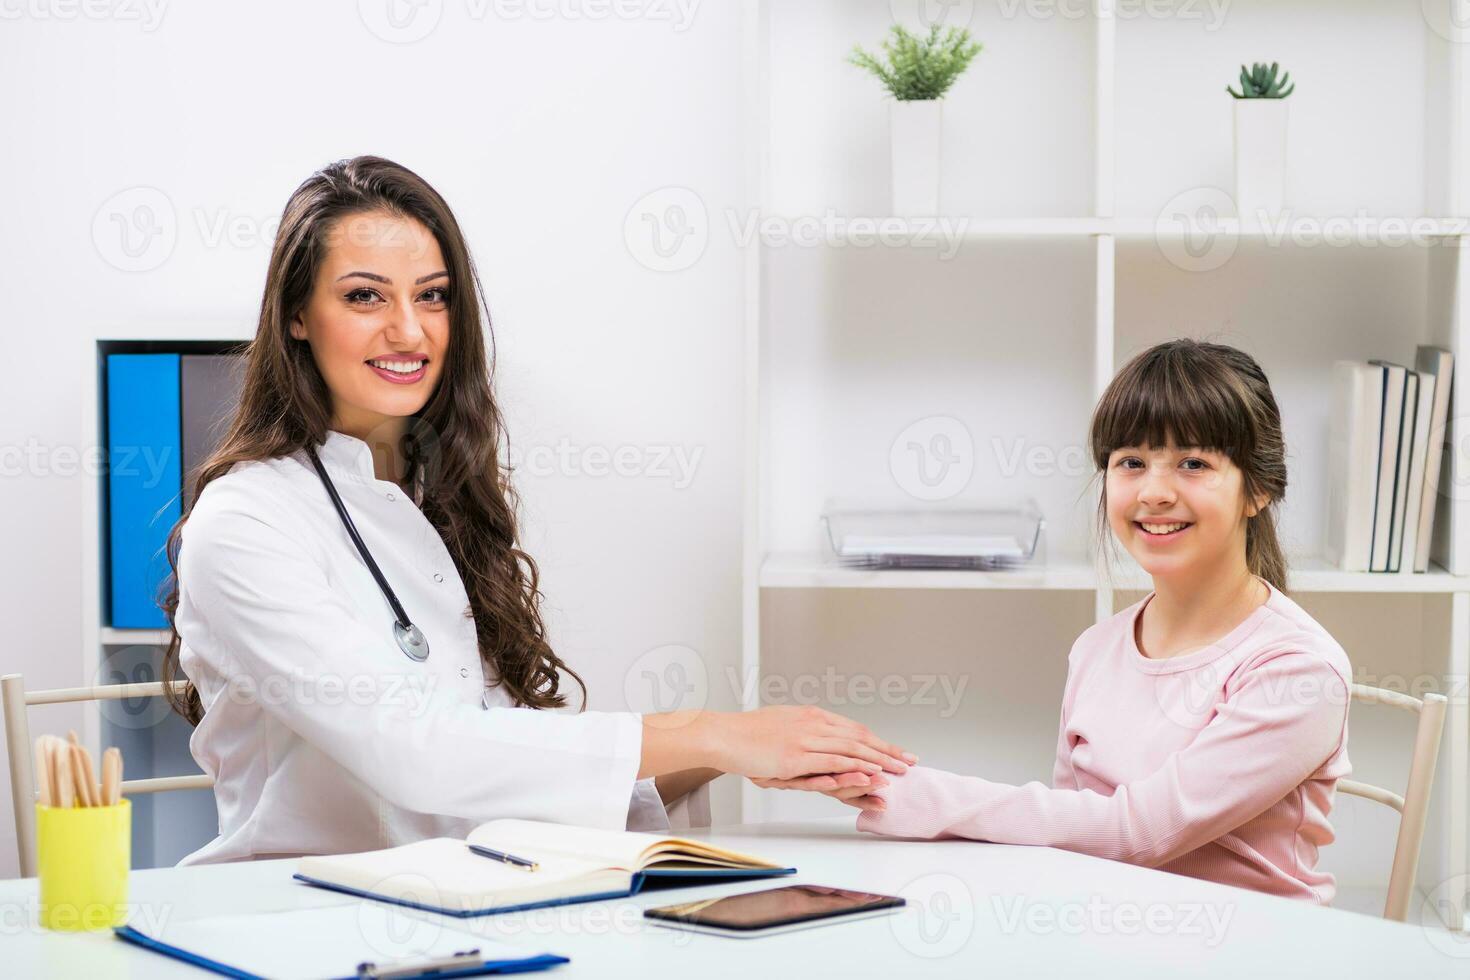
144	477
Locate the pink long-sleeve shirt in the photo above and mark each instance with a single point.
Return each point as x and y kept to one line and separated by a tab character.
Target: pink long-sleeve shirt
1220	763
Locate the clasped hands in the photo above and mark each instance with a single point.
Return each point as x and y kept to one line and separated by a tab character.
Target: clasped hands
856	759
777	747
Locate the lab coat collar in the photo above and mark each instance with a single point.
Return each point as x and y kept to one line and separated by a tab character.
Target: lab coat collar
352	458
347	456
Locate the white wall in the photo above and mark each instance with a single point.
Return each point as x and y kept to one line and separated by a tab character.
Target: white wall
541	133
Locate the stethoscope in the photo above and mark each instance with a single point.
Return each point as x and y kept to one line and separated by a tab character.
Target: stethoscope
410	638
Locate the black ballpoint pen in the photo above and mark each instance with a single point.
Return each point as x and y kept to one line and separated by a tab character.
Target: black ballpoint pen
490	852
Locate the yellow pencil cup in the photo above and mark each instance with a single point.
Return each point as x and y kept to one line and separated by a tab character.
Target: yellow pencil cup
84	854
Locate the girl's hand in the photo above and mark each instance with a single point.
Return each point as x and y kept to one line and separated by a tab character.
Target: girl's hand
853	788
789	741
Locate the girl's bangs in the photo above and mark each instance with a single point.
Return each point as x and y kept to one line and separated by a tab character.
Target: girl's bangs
1162	402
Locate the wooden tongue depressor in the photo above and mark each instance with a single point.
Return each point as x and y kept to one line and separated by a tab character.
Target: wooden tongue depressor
89	776
65	788
43	773
79	775
52	775
54	767
111	776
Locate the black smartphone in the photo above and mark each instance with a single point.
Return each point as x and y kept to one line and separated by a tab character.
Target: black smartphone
775	910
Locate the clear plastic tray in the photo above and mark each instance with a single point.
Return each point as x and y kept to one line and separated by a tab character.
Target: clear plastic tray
965	538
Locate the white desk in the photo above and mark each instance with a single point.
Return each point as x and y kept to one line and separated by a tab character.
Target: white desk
976	910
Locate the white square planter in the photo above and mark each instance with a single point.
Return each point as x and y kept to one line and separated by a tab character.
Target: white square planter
1260	157
914	133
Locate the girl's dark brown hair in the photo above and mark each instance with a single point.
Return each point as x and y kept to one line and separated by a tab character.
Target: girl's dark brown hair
450	451
1208	396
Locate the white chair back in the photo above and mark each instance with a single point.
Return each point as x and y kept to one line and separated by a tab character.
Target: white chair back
19	751
1413	806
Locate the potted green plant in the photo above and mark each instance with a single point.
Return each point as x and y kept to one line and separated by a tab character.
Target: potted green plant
917	71
1260	139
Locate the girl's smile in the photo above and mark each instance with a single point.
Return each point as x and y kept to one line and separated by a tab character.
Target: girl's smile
1156	532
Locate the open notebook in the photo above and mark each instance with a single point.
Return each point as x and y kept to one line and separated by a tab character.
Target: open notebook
576	864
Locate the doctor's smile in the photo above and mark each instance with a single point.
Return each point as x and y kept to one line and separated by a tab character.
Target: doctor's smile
400	370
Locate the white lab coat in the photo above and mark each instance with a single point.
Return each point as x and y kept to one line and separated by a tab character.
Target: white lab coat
322	737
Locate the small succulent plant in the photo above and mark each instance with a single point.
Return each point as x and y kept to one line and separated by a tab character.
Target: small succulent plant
1261	83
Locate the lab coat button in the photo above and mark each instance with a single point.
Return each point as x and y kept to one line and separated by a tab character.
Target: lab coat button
438	577
391	497
464	672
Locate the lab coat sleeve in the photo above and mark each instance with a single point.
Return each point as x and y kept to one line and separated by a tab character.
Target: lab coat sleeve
648	812
690	810
268	620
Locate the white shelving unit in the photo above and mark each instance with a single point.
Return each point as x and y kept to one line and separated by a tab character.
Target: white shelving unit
154	740
1067	150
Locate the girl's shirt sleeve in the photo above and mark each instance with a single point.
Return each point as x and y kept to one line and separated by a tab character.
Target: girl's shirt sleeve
1287	718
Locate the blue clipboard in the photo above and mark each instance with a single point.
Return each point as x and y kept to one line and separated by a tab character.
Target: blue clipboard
324	942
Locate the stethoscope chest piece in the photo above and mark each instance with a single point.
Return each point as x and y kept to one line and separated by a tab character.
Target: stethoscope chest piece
412	642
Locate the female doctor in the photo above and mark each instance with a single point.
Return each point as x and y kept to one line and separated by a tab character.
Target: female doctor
367	660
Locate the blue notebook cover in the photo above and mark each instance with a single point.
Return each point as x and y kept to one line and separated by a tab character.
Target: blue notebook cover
526	965
144	478
639	878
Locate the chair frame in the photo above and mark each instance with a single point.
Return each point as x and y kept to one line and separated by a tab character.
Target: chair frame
1413	806
18	749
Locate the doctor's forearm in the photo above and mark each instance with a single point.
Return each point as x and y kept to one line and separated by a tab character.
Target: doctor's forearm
780	741
679	741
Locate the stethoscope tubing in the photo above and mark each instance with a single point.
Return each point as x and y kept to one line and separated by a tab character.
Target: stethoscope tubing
392	597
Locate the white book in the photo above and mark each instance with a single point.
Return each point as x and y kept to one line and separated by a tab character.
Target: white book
1357	409
1440	363
1418	460
1394	386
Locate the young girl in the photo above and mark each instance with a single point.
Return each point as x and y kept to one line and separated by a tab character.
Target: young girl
1203	728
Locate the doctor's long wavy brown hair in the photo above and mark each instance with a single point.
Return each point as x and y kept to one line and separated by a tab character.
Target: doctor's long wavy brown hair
452	447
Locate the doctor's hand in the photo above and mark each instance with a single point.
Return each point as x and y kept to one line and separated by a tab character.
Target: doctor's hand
776	742
792	741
